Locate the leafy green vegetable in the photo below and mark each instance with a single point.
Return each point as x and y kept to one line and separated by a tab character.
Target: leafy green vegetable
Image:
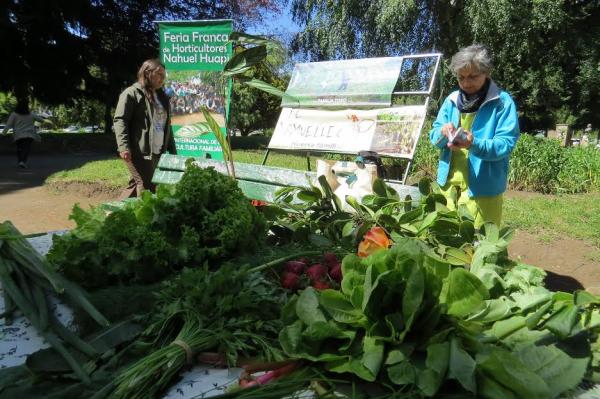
232	310
405	317
205	217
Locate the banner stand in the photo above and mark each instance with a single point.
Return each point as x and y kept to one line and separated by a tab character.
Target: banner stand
194	54
347	106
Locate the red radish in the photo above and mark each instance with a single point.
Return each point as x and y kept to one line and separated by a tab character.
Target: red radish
321	285
330	258
274	374
295	266
290	280
303	260
247	383
316	272
336	272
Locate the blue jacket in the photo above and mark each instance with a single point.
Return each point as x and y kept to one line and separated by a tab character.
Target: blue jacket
495	132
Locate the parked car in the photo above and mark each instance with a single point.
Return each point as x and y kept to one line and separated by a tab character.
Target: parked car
2	126
71	129
91	129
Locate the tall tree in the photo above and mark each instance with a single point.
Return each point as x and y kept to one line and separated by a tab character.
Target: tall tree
59	50
546	51
253	109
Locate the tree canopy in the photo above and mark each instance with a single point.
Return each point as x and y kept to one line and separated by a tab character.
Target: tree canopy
546	51
253	109
59	50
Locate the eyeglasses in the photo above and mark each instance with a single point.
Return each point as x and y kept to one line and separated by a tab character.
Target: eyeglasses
470	77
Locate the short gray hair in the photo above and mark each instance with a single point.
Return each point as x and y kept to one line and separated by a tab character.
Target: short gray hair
475	56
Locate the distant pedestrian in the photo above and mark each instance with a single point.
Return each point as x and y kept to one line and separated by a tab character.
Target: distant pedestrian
22	122
588	130
142	125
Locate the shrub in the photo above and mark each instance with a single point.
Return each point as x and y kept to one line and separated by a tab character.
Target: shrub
580	171
535	164
425	160
255	142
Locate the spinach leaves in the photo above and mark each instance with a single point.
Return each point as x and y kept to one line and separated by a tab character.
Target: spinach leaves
407	318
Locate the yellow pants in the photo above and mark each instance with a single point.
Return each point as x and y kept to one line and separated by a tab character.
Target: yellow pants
484	209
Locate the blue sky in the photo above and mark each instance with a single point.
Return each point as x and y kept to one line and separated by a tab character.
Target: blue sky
279	24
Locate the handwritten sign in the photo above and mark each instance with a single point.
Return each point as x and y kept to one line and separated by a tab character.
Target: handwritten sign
389	131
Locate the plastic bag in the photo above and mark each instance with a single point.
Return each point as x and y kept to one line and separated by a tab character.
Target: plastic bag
348	178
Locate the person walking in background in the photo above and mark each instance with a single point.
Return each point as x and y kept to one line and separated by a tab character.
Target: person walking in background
475	166
142	125
22	122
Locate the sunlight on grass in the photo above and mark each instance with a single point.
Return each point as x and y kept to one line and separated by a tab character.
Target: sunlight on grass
573	216
275	159
111	172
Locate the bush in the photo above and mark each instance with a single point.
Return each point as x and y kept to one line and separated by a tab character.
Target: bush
536	164
425	160
544	165
580	171
255	142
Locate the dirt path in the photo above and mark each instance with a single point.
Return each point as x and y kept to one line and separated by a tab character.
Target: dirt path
33	208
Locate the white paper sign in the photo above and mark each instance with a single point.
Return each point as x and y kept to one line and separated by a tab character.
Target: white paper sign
389	131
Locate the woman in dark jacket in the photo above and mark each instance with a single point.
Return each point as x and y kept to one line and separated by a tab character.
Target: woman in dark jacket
142	125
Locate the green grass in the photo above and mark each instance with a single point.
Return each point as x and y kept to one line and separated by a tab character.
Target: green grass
112	173
275	159
553	216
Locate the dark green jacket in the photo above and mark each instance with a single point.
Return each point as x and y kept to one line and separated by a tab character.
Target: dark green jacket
132	122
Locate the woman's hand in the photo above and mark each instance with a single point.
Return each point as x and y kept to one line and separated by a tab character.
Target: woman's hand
447	129
462	144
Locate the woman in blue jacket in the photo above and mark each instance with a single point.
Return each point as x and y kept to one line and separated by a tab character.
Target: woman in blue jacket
473	169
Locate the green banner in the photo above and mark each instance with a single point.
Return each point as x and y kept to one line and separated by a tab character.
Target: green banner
343	84
194	54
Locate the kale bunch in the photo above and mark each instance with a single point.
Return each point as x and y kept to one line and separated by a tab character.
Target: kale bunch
203	218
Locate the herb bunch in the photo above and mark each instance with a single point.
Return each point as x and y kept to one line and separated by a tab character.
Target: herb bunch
232	310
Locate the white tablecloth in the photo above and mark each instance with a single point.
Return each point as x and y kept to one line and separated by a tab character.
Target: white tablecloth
20	339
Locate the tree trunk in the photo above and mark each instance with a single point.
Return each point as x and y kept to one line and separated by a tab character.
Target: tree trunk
107	118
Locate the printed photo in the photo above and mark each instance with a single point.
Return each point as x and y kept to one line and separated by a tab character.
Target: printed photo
396	134
189	91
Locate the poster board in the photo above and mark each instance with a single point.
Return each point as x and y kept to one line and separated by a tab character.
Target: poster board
343	84
392	132
194	54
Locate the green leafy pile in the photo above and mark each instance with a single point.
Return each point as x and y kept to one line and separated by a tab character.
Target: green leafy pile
315	214
204	217
408	319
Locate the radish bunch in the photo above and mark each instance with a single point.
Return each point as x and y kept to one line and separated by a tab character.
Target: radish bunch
323	274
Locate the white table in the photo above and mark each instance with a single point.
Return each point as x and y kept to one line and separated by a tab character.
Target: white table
20	339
